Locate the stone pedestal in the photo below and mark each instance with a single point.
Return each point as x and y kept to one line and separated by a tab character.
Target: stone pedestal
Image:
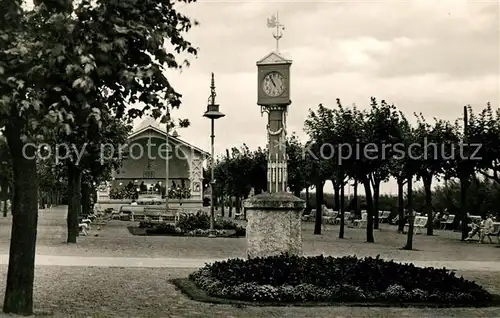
274	224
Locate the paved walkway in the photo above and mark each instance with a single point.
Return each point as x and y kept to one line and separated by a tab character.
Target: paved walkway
51	260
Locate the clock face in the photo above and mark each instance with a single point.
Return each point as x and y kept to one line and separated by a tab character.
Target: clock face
273	84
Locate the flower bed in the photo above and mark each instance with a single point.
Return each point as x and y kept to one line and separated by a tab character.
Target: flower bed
193	225
327	279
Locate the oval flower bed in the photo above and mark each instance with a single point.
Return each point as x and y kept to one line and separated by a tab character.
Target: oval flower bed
327	279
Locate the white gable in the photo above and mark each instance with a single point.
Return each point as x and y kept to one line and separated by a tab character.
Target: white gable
274	58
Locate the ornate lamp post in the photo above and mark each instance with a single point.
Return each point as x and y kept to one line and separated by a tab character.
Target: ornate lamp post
166	119
212	113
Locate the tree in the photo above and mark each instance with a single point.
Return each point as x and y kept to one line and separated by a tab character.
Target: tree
343	134
372	131
484	129
56	61
297	177
443	138
398	169
318	166
98	154
411	164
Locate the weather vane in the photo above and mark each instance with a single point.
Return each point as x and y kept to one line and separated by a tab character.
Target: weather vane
274	22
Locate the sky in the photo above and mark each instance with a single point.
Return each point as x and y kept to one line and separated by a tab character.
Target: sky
432	57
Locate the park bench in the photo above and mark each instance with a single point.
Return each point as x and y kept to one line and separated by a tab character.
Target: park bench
160	214
384	216
128	212
448	222
363	221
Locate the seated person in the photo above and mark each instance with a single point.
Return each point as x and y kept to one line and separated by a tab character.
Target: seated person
487	227
476	228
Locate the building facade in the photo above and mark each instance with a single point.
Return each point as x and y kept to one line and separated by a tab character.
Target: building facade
144	164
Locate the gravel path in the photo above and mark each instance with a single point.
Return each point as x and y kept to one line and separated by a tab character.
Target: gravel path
134	292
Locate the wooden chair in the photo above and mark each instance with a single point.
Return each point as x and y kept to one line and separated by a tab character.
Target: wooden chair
420	223
330	216
495	233
448	222
384	216
361	222
347	217
83	229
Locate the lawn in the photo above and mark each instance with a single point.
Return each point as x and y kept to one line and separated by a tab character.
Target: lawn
115	240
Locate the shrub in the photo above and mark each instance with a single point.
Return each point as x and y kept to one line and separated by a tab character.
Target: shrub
190	222
194	225
165	228
201	221
293	278
240	231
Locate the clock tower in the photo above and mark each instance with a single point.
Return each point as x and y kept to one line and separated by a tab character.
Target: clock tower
273	96
274	219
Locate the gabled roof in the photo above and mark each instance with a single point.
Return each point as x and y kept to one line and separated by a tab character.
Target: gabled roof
274	58
152	124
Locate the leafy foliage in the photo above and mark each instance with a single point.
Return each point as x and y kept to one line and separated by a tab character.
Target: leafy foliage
193	225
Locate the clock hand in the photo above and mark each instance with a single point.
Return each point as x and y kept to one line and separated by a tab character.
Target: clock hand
272	81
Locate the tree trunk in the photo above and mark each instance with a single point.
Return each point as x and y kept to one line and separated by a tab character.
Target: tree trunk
336	190
411	218
5	208
307	199
21	272
319	203
428	205
376	197
222	205
74	201
85	199
356	201
401	206
237	206
230	208
369	210
464	185
342	210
